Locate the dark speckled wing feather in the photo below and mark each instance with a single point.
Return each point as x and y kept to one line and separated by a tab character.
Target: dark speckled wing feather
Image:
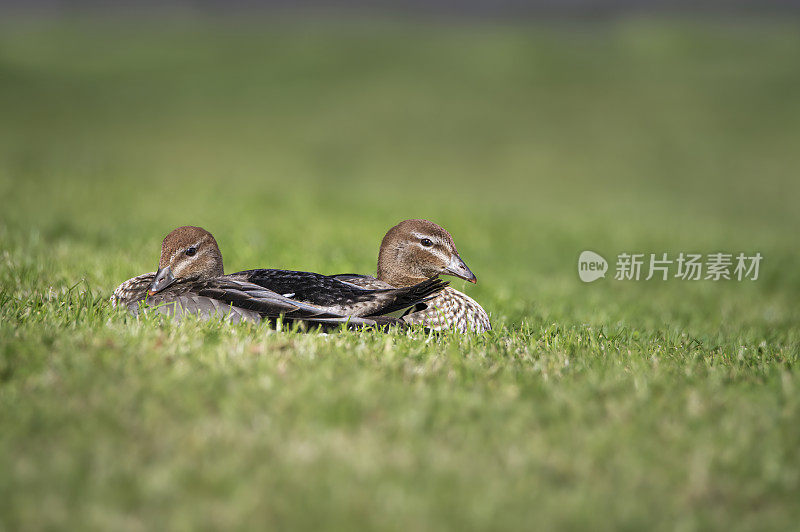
233	299
450	309
341	297
364	281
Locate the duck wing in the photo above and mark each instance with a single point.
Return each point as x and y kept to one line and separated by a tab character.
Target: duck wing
238	300
338	296
363	281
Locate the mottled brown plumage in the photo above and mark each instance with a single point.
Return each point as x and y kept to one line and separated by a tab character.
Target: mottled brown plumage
190	279
416	250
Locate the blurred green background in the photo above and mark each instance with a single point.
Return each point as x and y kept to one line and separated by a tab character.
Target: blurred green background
298	143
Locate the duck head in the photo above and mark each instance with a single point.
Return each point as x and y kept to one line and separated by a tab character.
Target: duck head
187	252
415	250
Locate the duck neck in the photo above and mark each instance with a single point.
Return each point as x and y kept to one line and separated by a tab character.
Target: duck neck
397	278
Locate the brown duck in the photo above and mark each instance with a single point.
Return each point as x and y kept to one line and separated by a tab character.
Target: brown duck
190	279
417	250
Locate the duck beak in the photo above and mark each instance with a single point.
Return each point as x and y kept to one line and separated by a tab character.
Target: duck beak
459	269
163	279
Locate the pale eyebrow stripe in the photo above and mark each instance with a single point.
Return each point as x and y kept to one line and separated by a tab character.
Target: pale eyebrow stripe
425	235
435	238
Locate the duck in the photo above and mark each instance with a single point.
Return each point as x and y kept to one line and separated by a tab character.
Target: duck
191	280
417	250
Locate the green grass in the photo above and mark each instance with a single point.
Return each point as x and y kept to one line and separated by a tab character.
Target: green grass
633	405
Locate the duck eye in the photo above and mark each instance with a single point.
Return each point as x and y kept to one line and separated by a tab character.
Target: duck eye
426	242
191	251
